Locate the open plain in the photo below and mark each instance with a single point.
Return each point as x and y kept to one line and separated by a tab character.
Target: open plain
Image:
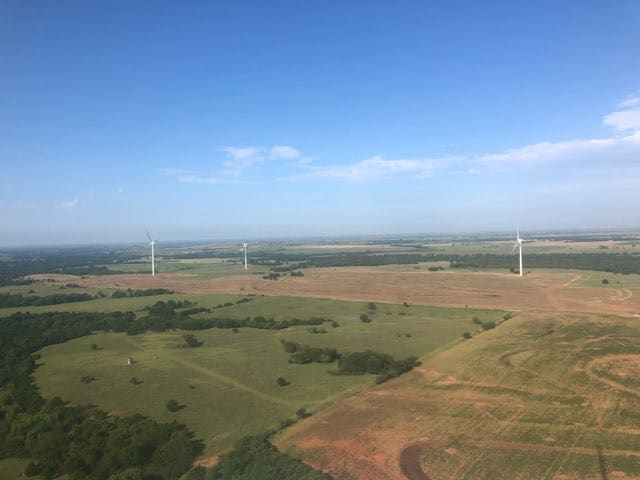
551	392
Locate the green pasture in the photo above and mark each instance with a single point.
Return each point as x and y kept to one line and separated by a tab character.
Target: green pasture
13	469
228	385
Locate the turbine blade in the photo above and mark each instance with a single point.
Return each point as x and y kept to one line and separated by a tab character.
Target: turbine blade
514	247
148	236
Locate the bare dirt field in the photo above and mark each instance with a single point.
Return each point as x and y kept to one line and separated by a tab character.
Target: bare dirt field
469	413
539	291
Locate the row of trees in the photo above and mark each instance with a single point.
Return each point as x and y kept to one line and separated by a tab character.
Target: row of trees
11	300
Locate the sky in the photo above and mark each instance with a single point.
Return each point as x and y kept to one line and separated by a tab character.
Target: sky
239	119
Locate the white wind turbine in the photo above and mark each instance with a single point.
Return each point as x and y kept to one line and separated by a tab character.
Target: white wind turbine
244	247
153	256
519	246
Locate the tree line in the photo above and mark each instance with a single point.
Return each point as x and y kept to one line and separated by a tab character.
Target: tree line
80	441
356	363
11	300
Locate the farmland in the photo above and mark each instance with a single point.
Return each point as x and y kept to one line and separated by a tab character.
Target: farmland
233	375
543	396
554	387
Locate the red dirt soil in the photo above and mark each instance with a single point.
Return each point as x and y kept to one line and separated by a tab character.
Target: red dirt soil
545	291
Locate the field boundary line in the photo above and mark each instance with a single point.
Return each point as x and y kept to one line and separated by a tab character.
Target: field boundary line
222	378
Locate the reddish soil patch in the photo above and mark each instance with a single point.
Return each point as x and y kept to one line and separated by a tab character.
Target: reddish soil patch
506	358
477	289
410	463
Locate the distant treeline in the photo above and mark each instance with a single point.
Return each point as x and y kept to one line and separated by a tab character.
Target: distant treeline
604	262
70	260
10	300
81	441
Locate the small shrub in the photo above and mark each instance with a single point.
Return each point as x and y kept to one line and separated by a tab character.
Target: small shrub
466	335
365	318
371	306
334	324
488	325
302	413
605	281
135	381
94	346
87	379
172	406
191	341
406	304
476	320
283	382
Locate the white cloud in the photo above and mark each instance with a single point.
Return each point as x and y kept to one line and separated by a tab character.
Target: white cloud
68	204
240	159
607	156
632	100
283	152
627	117
574	152
624	119
375	168
210	180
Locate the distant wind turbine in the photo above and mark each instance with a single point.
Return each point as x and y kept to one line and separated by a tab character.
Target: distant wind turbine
153	256
519	246
244	247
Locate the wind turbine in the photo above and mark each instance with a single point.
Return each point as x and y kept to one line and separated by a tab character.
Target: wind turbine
519	246
153	257
244	247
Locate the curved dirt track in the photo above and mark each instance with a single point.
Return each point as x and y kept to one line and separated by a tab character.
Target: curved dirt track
410	462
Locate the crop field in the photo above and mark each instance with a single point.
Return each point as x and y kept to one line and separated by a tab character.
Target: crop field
555	290
542	396
552	393
228	385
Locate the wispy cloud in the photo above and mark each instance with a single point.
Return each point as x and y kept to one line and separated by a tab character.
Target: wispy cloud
632	100
212	180
620	151
240	159
68	204
627	117
375	168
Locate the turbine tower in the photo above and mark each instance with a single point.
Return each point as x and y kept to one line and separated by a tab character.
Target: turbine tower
518	245
244	246
153	257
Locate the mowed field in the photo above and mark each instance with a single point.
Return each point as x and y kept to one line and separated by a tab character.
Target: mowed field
544	396
228	385
549	290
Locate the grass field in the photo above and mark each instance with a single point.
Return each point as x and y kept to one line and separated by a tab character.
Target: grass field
228	385
13	469
543	396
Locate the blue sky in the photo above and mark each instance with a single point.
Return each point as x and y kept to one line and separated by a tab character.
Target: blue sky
215	120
